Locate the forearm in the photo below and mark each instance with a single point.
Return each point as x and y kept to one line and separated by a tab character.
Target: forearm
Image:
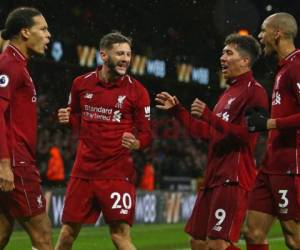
292	121
226	127
144	139
196	128
4	152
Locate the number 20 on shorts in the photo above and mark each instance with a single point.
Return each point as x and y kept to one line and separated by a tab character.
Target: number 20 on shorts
121	201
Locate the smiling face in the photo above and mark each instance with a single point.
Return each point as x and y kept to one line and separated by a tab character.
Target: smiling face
37	36
117	58
233	63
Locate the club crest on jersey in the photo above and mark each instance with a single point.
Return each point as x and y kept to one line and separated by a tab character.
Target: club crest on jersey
120	101
39	201
229	102
4	80
276	98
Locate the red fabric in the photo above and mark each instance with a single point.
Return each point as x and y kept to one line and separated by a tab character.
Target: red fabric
86	199
231	146
18	92
107	110
26	200
257	246
278	195
284	143
4	153
213	216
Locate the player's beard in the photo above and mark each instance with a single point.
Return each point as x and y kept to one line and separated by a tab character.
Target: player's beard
112	66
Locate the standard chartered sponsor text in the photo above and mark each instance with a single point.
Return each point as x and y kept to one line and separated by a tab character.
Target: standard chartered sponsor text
97	113
101	110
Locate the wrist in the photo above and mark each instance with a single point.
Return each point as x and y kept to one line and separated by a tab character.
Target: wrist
137	144
271	124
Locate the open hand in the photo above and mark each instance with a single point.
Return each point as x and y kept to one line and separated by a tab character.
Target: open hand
165	101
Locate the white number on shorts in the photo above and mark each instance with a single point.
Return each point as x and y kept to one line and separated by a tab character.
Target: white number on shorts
118	197
220	214
126	200
285	201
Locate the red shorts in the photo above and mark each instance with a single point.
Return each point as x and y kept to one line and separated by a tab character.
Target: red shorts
26	200
278	195
218	213
86	199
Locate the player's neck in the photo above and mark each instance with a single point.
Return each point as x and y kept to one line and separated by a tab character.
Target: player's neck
21	47
106	75
284	49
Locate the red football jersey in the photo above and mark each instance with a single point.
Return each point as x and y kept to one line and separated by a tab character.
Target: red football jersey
231	146
284	142
105	111
18	108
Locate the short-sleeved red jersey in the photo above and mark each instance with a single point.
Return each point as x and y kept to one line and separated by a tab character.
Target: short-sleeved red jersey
106	110
284	142
231	146
18	108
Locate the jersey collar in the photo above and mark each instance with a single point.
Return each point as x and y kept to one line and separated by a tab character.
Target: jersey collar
241	78
289	58
16	53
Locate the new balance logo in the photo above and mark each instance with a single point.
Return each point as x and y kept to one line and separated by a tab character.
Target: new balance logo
217	228
124	211
88	96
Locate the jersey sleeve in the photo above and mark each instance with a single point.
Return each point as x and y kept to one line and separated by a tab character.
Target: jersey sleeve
258	97
74	104
9	80
292	121
4	153
196	128
142	118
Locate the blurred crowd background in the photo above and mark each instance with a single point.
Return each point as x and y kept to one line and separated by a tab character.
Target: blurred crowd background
175	32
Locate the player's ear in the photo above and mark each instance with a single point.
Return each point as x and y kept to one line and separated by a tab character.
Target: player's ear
25	33
103	54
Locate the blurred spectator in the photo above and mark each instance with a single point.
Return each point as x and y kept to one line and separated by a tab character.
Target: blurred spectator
148	177
55	172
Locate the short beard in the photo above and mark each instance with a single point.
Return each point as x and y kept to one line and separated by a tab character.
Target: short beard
112	66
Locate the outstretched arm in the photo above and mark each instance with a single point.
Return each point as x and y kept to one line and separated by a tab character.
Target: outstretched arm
199	109
196	128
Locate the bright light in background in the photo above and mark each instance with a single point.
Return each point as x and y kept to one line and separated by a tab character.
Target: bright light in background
57	51
243	32
269	7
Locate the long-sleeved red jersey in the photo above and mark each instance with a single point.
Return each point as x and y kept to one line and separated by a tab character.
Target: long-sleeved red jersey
284	142
105	111
231	146
18	116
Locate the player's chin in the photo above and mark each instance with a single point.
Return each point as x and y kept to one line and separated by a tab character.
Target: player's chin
39	52
121	72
